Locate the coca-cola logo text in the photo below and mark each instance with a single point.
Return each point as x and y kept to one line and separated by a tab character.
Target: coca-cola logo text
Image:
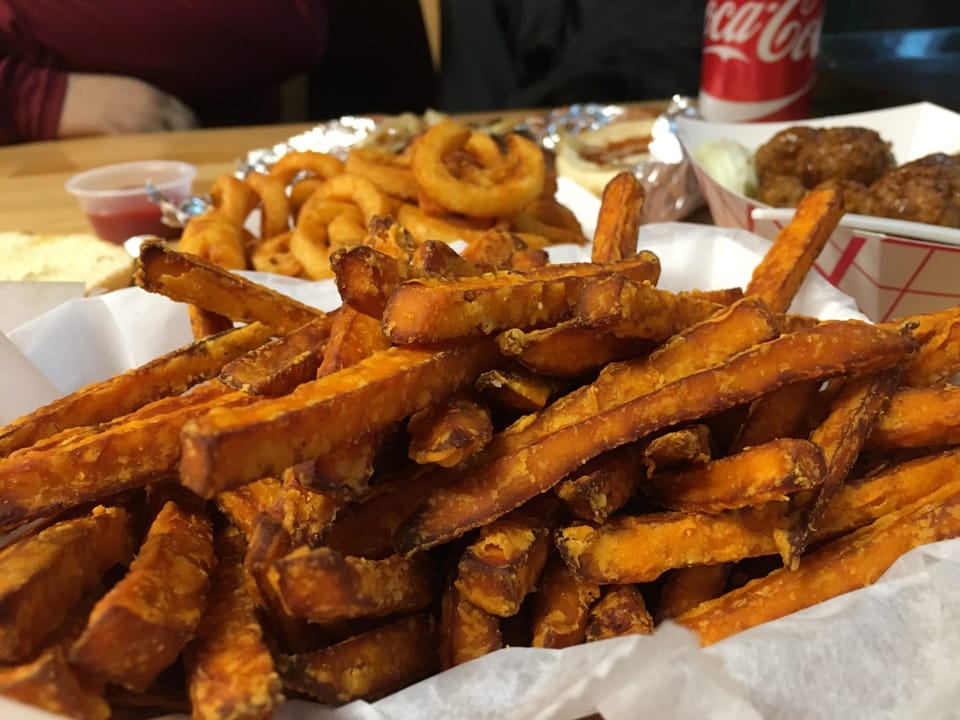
781	29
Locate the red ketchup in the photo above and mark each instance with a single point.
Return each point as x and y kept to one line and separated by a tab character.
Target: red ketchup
118	225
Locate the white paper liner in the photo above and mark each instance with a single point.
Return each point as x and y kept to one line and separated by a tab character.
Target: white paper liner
888	651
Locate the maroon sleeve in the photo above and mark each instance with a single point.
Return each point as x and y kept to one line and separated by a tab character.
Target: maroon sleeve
31	89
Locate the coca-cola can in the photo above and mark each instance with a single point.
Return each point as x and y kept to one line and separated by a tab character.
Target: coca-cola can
759	59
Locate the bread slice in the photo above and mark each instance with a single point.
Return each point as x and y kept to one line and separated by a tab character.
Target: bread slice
79	257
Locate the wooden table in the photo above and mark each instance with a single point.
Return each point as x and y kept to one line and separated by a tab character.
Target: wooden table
32	176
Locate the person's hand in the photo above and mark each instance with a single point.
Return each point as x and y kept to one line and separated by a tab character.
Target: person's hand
113	105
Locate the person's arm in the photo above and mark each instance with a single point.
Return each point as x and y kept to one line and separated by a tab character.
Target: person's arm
30	101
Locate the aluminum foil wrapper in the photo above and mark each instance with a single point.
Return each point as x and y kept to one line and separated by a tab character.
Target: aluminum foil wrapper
672	189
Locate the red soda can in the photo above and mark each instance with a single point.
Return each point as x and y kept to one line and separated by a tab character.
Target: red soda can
759	59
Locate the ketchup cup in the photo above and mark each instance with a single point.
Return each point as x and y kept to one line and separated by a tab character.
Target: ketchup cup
114	197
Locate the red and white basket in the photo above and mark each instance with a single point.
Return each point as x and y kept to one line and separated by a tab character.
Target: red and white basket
890	267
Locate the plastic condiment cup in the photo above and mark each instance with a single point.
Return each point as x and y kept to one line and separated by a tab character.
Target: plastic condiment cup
114	197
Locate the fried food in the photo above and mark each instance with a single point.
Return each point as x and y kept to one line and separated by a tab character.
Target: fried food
167	375
49	683
685	588
274	203
390	172
431	310
937	359
447	433
230	672
777	277
521	184
274	255
623	307
216	239
925	190
919	417
234	200
42	576
684	446
322	584
501	567
567	349
188	279
99	463
841	436
353	337
561	607
605	484
516	390
366	277
367	666
779	414
152	612
466	632
223	450
621	611
618	222
322	165
849	563
359	191
275	368
755	476
491	489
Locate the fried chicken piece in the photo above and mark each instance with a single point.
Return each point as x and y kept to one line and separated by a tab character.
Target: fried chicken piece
779	155
780	190
926	190
854	193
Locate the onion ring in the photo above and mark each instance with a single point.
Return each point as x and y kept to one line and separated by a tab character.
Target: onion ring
288	166
301	191
372	201
389	172
522	184
551	220
310	241
345	229
447	228
274	204
273	255
216	239
233	198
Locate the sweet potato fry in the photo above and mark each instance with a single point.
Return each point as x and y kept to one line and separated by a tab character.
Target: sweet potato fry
755	476
322	584
243	504
937	359
841	437
366	529
777	415
367	666
720	296
603	485
204	323
625	308
99	464
561	607
618	222
684	446
223	450
187	278
466	632
449	432
43	576
919	417
430	310
687	587
566	349
230	672
365	277
353	337
499	569
304	513
493	488
343	473
925	325
847	564
858	502
168	375
621	611
438	259
516	390
493	249
152	612
277	367
49	683
777	277
634	549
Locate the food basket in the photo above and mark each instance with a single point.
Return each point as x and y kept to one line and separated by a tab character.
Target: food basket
891	267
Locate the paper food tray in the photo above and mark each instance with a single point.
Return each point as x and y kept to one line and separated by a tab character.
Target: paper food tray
891	267
883	652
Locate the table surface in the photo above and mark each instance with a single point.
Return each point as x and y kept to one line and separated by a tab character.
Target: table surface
32	176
